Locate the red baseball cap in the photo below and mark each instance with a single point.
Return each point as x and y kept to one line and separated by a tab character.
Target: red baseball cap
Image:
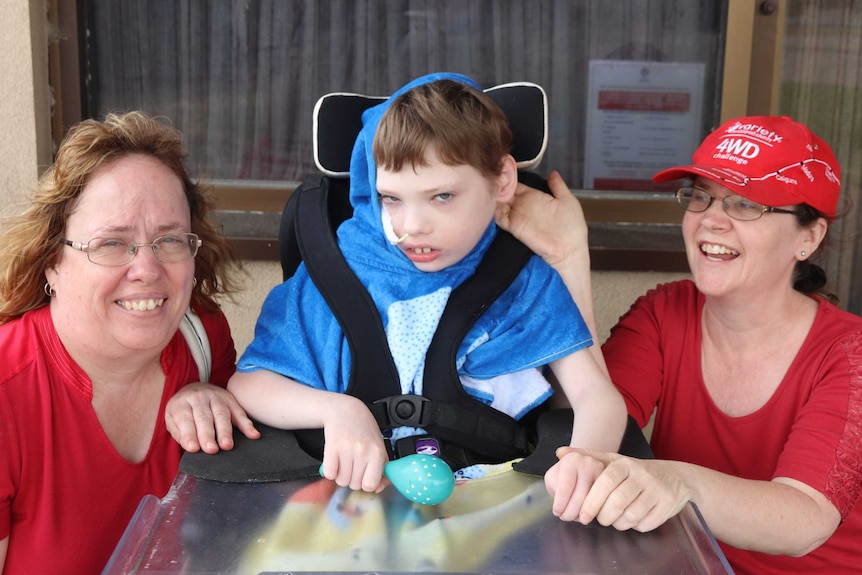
772	160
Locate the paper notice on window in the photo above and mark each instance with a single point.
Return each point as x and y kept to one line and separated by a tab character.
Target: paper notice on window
642	117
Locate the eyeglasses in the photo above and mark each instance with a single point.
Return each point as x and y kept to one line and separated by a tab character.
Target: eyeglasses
120	251
735	206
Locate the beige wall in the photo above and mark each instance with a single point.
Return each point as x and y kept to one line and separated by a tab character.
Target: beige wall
613	292
24	99
26	150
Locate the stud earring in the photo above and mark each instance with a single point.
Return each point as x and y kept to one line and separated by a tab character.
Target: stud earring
803	253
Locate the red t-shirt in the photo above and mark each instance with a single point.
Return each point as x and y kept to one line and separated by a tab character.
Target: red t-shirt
66	494
810	430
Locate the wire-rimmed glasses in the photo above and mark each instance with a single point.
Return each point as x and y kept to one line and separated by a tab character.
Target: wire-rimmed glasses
736	206
108	251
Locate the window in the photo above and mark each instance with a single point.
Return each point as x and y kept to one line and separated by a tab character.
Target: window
240	78
820	83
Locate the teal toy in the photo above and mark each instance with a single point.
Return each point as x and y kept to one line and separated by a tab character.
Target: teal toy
423	479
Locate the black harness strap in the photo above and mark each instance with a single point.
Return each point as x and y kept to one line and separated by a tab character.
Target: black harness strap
491	432
504	260
347	298
494	432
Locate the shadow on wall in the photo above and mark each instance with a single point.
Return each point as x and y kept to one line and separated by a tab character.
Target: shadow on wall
614	292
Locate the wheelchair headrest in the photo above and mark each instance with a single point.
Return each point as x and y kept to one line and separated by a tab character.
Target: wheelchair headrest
338	120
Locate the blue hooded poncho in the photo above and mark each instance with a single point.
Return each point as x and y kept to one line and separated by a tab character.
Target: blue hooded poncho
533	323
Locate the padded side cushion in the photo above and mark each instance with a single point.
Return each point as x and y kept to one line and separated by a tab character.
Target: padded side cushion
276	456
554	429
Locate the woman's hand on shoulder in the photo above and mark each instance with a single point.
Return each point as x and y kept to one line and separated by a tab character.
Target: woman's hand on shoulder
552	225
616	490
201	416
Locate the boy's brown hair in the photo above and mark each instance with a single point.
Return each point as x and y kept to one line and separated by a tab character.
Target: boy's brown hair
462	124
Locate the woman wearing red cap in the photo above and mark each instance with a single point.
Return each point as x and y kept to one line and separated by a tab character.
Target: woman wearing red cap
755	378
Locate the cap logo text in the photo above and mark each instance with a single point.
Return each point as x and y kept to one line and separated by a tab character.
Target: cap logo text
738	147
755	131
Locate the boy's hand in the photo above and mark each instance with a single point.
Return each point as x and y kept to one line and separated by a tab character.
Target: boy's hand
569	482
201	416
354	454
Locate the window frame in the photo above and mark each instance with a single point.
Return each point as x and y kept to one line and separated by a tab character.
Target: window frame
629	231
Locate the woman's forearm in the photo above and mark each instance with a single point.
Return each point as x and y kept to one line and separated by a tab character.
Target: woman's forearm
780	517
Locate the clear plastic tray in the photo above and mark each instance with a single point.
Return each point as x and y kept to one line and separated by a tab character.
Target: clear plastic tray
501	524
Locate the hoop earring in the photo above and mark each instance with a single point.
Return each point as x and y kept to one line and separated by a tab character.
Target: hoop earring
49	290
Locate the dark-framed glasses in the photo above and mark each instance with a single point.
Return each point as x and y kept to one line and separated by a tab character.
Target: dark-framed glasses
735	206
108	251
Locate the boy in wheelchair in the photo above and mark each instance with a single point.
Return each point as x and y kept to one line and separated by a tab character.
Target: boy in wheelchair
428	169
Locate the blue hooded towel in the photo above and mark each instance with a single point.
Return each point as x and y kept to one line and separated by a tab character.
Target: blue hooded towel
533	323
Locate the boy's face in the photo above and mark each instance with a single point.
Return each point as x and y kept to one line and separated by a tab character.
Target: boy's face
443	210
